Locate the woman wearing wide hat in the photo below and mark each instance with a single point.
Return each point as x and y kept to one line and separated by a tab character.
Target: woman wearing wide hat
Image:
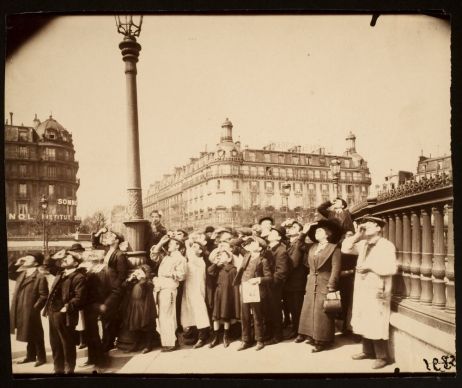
324	263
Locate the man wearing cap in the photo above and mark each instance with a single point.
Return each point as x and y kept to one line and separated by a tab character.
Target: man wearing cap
115	273
255	269
372	289
77	249
29	297
155	230
67	297
337	209
266	223
94	271
172	268
280	270
294	287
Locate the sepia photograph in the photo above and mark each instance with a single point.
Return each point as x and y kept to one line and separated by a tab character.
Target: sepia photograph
229	194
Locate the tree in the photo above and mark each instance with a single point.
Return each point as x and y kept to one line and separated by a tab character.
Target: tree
93	223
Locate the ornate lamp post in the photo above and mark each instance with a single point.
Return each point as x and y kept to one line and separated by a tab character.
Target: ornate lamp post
130	27
335	169
44	207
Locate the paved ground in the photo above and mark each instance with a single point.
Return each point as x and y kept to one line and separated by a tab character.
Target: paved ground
286	357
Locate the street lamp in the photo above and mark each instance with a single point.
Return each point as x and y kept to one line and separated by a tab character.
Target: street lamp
130	27
286	187
44	207
335	169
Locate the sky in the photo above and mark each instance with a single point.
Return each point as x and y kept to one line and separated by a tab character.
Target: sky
304	79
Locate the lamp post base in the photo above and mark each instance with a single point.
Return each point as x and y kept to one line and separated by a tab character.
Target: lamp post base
135	233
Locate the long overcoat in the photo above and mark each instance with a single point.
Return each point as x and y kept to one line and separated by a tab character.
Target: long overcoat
193	306
30	295
226	303
372	290
324	273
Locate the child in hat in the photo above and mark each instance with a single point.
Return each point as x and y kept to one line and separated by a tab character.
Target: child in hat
226	297
255	269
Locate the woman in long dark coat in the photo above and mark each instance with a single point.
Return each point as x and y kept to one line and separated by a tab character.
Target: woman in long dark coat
324	261
30	295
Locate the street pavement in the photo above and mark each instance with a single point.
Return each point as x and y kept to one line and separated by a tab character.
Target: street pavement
285	357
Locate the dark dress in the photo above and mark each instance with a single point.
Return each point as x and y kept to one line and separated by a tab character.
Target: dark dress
140	311
226	302
324	274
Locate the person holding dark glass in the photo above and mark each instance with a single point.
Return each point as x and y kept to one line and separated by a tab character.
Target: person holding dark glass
316	326
29	297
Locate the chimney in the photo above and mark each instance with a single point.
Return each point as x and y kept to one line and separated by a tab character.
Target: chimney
11	118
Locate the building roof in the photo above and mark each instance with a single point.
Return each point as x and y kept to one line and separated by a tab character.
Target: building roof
50	123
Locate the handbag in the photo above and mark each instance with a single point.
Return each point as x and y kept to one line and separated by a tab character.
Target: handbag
332	303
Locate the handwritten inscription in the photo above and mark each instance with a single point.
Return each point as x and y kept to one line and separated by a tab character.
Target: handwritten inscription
442	364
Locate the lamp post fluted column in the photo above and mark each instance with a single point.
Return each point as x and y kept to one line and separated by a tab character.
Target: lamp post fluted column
135	224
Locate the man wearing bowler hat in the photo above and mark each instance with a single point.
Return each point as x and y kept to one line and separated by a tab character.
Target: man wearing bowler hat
115	273
372	289
29	297
67	297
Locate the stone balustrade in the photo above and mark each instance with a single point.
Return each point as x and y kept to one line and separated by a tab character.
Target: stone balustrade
419	222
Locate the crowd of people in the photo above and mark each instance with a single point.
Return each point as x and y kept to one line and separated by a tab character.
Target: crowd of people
264	283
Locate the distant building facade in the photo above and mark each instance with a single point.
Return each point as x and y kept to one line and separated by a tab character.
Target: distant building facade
395	179
430	167
39	160
235	186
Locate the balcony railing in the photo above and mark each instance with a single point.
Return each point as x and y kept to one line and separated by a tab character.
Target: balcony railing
419	218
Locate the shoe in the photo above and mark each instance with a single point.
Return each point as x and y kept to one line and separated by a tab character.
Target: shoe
260	346
225	339
379	363
309	341
82	346
272	341
300	338
361	356
215	341
38	363
243	346
86	363
25	361
199	344
168	349
290	335
146	350
318	349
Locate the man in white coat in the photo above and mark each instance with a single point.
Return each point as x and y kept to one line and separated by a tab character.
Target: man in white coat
372	288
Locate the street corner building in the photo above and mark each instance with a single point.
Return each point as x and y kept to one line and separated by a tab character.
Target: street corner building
236	185
39	162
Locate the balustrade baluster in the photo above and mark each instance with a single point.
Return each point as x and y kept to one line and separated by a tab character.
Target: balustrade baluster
385	228
406	255
426	294
438	268
416	256
450	291
391	229
398	283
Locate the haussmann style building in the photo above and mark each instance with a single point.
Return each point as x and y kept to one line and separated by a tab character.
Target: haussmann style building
235	185
39	160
